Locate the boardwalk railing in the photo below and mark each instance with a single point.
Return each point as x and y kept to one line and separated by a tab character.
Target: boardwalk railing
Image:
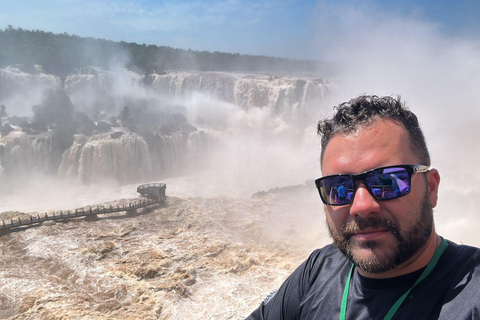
154	191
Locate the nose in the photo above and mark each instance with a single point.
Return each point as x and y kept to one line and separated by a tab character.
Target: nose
363	203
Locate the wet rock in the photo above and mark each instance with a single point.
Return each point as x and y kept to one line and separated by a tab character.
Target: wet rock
117	134
17	121
112	120
6	129
103	126
83	124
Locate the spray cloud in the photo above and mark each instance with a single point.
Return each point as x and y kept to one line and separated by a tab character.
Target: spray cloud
384	53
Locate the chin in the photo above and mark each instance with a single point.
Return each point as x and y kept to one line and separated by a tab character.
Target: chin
374	263
373	256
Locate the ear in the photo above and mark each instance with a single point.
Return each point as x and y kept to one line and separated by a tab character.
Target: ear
433	178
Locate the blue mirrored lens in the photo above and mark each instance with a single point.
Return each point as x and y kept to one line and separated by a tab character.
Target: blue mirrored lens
337	190
388	183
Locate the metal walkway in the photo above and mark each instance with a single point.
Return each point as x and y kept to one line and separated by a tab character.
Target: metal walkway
155	193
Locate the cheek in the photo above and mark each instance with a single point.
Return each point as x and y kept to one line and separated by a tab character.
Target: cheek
336	216
329	220
401	212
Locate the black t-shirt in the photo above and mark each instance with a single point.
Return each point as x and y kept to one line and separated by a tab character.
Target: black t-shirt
315	289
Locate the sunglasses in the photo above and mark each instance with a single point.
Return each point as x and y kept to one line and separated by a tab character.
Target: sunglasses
385	183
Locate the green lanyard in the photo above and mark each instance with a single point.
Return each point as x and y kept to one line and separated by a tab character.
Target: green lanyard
396	306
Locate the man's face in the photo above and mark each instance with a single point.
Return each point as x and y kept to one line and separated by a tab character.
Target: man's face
379	235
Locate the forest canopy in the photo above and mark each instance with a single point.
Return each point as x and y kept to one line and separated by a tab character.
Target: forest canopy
58	54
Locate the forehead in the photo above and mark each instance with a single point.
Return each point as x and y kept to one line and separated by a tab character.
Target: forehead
381	143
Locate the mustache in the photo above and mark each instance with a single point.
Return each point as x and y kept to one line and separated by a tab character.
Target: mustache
360	224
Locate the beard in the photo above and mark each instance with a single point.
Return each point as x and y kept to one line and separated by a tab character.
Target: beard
407	242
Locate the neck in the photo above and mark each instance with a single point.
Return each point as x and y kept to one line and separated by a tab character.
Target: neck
419	260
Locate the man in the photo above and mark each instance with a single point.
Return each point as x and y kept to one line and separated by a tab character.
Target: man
386	260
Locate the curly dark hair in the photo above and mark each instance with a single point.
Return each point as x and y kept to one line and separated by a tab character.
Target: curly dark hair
363	110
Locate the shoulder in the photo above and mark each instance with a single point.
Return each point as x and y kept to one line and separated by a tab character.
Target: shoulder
460	261
328	257
462	255
461	269
327	253
286	302
321	267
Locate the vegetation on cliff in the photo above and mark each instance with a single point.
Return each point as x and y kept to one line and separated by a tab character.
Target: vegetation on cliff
58	54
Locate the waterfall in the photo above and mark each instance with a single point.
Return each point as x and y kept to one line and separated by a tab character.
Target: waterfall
132	158
286	96
25	155
167	154
177	122
102	158
21	90
90	88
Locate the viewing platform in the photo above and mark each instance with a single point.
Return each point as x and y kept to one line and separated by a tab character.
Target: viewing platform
154	193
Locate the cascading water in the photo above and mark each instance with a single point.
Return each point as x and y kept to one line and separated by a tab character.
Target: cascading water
289	97
101	157
221	106
26	154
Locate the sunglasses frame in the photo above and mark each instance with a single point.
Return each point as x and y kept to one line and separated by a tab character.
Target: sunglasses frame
410	168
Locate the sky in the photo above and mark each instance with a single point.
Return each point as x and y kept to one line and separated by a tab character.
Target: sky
288	28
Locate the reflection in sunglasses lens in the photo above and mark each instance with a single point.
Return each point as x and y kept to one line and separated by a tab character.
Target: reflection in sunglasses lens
389	183
383	184
337	190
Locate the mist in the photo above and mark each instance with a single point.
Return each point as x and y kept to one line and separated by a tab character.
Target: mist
383	53
246	133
